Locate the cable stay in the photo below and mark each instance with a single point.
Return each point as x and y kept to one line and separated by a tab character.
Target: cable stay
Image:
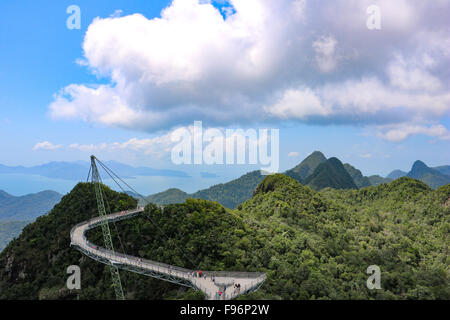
212	283
105	229
114	176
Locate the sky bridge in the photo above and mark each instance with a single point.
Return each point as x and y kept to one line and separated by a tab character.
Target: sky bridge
216	285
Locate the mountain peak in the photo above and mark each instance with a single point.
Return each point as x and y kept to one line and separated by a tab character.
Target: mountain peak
317	154
419	168
432	177
307	166
419	165
331	173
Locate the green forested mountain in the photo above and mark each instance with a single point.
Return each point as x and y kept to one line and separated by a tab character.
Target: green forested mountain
329	238
9	230
330	173
27	207
228	194
34	265
360	180
399	173
232	193
376	180
307	166
431	177
169	196
312	245
16	212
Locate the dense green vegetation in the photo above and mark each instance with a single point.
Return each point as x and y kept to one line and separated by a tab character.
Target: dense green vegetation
9	230
34	265
360	180
330	173
376	180
169	196
233	193
313	245
27	207
321	243
228	194
313	171
307	166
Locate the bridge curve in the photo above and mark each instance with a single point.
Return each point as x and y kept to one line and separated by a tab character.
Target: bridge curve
211	282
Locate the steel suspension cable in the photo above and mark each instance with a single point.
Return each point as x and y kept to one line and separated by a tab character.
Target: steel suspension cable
114	223
111	174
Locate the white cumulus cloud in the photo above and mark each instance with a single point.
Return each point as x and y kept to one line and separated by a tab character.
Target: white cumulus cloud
266	60
46	145
402	132
325	48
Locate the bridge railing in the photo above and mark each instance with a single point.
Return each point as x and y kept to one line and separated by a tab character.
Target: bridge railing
113	255
160	267
96	221
247	288
234	274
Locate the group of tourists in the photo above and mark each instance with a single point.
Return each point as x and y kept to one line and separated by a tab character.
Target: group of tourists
198	274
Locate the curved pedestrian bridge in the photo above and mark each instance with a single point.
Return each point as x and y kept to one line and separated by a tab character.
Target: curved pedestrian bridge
223	285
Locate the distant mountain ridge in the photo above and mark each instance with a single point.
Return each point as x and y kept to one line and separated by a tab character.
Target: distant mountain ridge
311	245
78	170
376	180
360	180
330	174
170	196
27	207
443	169
229	194
430	176
17	212
396	174
315	171
307	166
9	230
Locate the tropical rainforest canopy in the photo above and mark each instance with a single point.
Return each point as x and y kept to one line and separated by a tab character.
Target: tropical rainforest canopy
312	245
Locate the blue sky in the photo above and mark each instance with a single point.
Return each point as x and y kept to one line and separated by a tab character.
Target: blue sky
309	85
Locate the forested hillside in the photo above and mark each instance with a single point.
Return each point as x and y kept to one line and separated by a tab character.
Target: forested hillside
321	243
170	196
307	166
313	245
431	177
357	176
9	230
330	174
228	194
232	193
